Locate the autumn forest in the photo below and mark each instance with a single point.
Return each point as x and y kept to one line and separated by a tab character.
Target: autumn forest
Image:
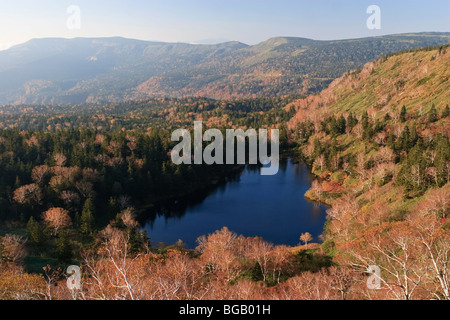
77	178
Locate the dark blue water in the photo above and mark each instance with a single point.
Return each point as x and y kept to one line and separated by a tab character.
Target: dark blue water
271	207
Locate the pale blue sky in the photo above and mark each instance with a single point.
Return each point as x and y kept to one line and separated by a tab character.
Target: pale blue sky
248	21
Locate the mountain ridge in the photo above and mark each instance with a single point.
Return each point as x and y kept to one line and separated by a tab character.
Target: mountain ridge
58	70
416	80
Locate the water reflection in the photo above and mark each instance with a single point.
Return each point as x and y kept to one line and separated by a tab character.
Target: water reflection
272	207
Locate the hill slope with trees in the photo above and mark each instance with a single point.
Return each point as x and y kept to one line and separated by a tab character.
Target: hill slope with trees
61	71
378	142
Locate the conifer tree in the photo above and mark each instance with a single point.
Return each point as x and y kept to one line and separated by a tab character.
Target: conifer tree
35	231
63	248
403	114
432	115
446	112
87	217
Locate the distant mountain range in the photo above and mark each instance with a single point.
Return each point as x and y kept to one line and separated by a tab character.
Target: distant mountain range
58	71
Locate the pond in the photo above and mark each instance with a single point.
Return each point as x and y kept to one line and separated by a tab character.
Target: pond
271	207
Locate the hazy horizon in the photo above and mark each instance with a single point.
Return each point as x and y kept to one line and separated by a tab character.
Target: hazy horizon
212	42
212	21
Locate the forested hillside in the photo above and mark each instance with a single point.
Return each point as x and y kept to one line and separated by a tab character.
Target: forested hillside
149	114
378	141
282	66
60	71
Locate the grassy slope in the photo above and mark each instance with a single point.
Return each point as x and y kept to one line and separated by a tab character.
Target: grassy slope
416	80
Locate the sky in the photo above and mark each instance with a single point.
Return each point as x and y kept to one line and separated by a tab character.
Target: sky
212	21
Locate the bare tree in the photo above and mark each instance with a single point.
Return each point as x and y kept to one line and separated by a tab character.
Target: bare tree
346	168
433	173
85	188
320	162
358	130
437	203
129	218
51	276
57	218
398	129
124	201
395	115
393	248
282	260
372	114
305	238
60	159
436	242
447	170
380	138
69	197
13	248
31	194
116	247
316	187
432	156
361	165
221	253
39	173
416	175
99	139
336	162
259	250
343	280
385	154
32	142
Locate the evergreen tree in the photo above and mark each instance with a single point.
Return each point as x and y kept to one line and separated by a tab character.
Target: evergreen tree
391	141
404	141
284	137
432	115
445	113
365	120
352	120
317	148
63	248
334	129
414	137
87	217
113	207
403	114
341	124
77	220
35	231
368	132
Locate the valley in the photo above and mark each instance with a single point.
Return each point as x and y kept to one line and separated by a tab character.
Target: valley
85	182
98	70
